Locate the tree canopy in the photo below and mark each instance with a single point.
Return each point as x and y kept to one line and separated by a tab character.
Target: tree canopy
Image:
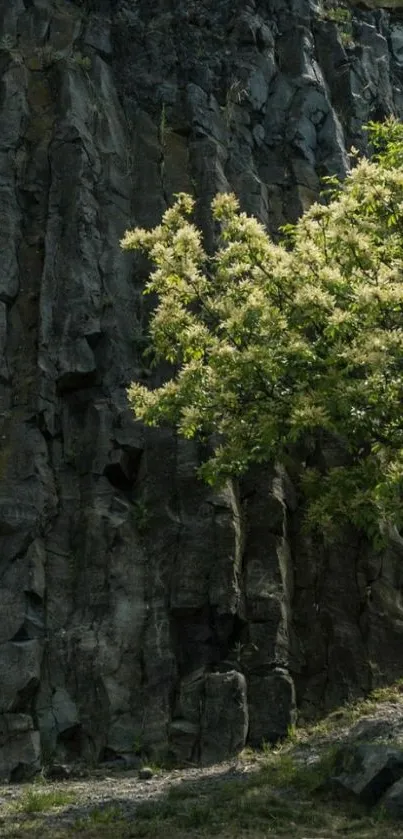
274	345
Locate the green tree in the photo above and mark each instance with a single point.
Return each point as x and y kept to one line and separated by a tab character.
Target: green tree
275	346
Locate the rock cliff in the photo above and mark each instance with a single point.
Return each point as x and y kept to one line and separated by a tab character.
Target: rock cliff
139	611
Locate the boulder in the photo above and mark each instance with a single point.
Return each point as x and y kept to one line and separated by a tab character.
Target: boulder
20	664
224	723
272	706
392	801
367	770
20	750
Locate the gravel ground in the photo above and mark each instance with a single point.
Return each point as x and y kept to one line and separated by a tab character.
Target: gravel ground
124	789
89	792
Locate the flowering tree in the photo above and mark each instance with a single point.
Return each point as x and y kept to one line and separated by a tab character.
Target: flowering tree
273	345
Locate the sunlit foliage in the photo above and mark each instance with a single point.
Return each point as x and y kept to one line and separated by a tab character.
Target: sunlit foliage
274	346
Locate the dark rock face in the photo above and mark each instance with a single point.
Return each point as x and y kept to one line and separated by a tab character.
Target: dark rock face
140	611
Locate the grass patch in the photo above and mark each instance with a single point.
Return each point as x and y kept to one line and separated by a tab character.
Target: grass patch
99	816
258	807
254	809
286	772
40	801
347	714
283	798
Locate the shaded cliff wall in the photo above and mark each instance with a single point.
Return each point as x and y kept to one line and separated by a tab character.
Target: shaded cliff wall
140	611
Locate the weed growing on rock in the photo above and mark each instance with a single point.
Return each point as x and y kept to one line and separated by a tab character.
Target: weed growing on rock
8	45
236	94
140	514
341	15
79	60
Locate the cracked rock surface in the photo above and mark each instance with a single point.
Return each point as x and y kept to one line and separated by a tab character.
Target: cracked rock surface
140	612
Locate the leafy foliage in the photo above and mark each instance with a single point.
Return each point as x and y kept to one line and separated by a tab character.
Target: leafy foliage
276	346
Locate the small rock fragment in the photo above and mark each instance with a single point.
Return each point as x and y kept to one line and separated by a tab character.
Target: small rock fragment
145	773
58	772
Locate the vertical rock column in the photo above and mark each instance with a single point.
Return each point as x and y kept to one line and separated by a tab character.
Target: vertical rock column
27	495
268	578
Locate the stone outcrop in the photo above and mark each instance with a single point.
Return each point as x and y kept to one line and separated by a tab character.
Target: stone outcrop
368	771
140	612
